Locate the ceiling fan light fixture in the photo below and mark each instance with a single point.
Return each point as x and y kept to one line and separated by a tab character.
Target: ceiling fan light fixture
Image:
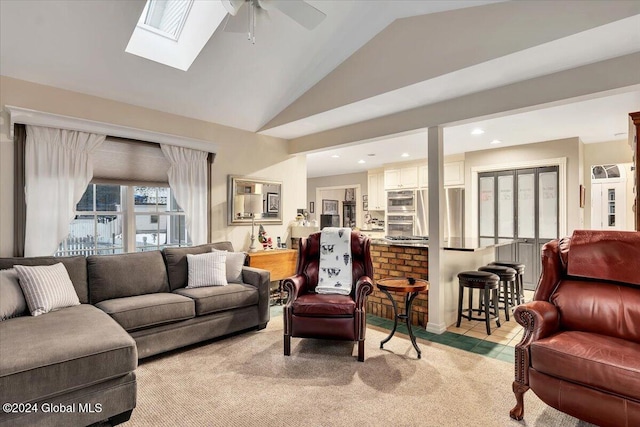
299	11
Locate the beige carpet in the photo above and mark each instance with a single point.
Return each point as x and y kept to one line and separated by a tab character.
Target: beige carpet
246	381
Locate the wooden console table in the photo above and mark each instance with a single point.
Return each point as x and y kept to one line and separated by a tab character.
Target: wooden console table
281	263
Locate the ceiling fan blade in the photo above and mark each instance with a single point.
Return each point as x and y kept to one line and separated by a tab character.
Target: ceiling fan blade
232	6
265	4
238	23
301	12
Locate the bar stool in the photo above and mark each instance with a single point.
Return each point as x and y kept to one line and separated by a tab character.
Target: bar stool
519	268
508	279
487	284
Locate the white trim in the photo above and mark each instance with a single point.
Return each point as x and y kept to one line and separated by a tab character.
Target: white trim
561	162
41	118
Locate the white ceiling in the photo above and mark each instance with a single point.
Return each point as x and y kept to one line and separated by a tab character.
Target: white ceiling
79	46
595	120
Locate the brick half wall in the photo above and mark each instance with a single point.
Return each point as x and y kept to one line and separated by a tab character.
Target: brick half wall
399	261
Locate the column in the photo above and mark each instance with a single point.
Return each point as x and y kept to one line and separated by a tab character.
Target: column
436	323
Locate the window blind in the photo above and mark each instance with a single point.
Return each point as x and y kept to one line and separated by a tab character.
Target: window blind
121	161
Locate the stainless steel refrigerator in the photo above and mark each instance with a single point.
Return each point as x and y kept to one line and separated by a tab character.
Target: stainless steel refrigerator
454	213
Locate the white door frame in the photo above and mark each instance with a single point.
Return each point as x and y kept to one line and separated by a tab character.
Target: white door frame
359	211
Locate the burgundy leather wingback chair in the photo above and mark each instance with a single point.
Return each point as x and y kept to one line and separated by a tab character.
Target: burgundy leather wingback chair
580	352
341	317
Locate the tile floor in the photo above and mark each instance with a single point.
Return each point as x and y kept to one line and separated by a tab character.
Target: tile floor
470	336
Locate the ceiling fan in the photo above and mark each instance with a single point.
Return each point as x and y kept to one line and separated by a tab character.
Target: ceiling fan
243	14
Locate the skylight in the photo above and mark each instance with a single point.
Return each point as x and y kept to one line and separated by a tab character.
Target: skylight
173	32
167	17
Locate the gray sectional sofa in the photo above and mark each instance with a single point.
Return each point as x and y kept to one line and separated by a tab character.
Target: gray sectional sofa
76	365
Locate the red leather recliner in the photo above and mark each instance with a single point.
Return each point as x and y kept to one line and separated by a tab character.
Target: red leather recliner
580	352
311	315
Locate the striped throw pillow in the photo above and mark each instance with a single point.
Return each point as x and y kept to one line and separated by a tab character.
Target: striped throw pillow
208	269
46	287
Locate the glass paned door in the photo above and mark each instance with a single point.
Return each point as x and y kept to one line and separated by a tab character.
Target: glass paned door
526	204
521	205
487	209
506	201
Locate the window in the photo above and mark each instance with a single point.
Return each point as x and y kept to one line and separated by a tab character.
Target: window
605	171
167	17
159	220
113	219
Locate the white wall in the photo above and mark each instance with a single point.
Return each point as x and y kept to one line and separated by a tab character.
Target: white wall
239	153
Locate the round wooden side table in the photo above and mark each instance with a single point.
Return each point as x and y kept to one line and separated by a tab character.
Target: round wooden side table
411	287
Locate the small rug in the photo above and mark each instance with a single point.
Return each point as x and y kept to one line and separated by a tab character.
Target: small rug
245	380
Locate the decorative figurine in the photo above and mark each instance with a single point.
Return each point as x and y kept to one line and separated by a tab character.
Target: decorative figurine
264	239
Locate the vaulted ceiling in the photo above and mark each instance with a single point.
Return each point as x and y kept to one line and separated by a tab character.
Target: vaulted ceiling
367	59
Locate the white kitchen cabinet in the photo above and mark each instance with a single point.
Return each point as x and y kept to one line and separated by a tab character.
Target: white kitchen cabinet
401	178
377	198
423	176
454	173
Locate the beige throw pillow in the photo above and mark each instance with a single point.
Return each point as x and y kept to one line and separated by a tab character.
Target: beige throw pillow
234	264
46	287
12	302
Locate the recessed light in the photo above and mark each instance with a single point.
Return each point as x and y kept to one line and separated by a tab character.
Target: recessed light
404	155
496	141
335	156
477	131
360	161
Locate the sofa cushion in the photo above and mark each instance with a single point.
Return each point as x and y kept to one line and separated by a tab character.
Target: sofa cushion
599	307
126	275
145	311
46	287
324	305
208	269
12	302
65	350
76	267
176	260
598	361
219	298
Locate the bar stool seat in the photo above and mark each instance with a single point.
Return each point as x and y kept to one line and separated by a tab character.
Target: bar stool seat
507	277
487	285
519	268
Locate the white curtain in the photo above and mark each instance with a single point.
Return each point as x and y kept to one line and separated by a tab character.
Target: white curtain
58	168
188	182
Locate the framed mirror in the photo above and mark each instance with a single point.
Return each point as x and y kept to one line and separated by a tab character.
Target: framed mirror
250	196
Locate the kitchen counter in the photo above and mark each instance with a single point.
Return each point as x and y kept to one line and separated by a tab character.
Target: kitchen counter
457	244
398	258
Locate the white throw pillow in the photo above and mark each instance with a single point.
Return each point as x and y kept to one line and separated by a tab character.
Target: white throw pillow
235	262
208	269
12	302
46	287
